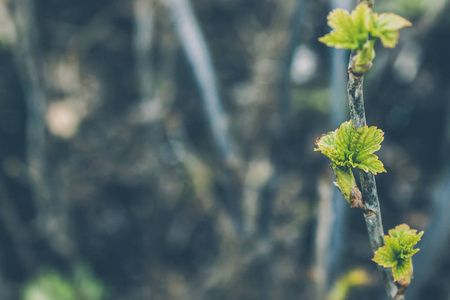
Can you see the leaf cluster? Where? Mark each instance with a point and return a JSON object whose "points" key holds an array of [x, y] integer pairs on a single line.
{"points": [[398, 250], [353, 148], [359, 31], [348, 148]]}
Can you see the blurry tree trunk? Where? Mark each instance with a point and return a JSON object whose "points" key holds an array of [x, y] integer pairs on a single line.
{"points": [[199, 57], [338, 114], [21, 237], [30, 65], [295, 35], [143, 50], [151, 115], [281, 138], [51, 221]]}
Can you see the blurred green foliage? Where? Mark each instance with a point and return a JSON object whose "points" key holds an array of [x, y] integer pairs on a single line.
{"points": [[342, 287], [51, 285], [306, 98], [406, 8]]}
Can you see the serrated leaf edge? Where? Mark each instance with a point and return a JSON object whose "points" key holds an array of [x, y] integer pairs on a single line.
{"points": [[342, 148], [395, 263]]}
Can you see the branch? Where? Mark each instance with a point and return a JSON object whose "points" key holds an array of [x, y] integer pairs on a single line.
{"points": [[371, 209], [324, 241], [29, 65], [143, 38], [295, 31], [268, 192], [198, 55]]}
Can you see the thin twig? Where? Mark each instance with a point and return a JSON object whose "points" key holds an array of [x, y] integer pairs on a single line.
{"points": [[371, 209], [372, 213]]}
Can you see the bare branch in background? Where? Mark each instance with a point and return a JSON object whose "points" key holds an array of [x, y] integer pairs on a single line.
{"points": [[143, 39], [270, 189], [325, 221], [197, 52], [199, 57], [30, 67], [295, 34], [52, 213]]}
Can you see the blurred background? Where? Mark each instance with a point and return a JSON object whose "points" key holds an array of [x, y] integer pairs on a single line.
{"points": [[164, 150]]}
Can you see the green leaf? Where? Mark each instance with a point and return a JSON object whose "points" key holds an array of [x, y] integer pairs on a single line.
{"points": [[342, 35], [347, 185], [350, 147], [344, 136], [386, 26], [407, 238], [385, 257], [335, 144], [364, 57], [365, 142], [400, 230], [403, 270], [398, 250], [361, 19], [359, 31], [350, 31]]}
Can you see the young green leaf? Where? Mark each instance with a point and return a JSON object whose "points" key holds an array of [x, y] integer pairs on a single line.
{"points": [[403, 270], [345, 181], [398, 250], [348, 148], [385, 257], [352, 147], [408, 237], [350, 31], [335, 144], [359, 31], [365, 142], [386, 26]]}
